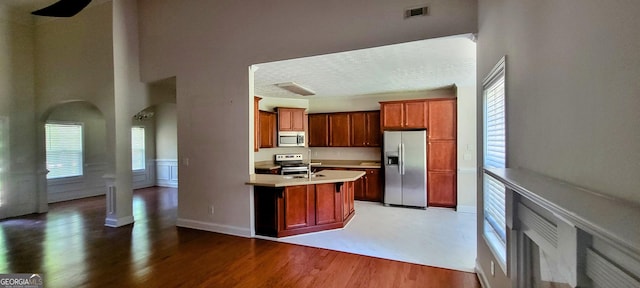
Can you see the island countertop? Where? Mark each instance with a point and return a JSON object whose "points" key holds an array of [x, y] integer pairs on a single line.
{"points": [[324, 176]]}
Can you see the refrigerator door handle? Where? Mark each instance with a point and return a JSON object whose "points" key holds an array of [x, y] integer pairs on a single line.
{"points": [[402, 151], [400, 159]]}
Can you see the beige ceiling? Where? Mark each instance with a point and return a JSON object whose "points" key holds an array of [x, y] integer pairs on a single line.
{"points": [[413, 66]]}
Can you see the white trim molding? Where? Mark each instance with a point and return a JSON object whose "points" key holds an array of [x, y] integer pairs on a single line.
{"points": [[118, 222], [213, 227]]}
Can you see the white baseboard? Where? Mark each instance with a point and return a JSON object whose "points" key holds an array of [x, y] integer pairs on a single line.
{"points": [[118, 222], [481, 276], [467, 209], [169, 185], [213, 227]]}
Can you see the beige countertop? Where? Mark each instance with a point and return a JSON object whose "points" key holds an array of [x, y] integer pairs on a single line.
{"points": [[364, 164], [266, 165], [324, 176], [371, 164]]}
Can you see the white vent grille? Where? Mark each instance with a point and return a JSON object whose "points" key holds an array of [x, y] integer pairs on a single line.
{"points": [[605, 274], [111, 199], [542, 227], [419, 11]]}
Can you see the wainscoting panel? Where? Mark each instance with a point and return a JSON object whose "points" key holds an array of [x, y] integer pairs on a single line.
{"points": [[22, 197], [88, 185], [145, 178], [167, 172]]}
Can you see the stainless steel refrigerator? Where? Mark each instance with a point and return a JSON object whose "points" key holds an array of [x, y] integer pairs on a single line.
{"points": [[405, 168]]}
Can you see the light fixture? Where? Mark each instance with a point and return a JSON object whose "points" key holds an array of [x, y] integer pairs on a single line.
{"points": [[294, 87], [143, 115]]}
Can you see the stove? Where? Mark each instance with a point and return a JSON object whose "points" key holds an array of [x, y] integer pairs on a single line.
{"points": [[291, 164]]}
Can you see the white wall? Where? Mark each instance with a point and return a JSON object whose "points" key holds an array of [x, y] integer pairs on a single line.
{"points": [[572, 92], [208, 45], [166, 131], [17, 98], [166, 145]]}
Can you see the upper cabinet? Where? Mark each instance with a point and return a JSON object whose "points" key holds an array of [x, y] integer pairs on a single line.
{"points": [[408, 114], [345, 129], [318, 130], [365, 129], [290, 119], [267, 129], [339, 130], [442, 119]]}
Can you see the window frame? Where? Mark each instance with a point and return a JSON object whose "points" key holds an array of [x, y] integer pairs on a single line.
{"points": [[494, 241], [67, 179], [4, 157], [144, 148]]}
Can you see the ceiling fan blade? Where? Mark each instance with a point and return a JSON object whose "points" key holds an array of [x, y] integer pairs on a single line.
{"points": [[62, 8]]}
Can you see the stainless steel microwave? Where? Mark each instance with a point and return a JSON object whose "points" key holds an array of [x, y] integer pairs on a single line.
{"points": [[291, 139]]}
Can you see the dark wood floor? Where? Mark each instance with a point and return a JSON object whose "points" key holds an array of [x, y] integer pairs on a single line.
{"points": [[71, 247]]}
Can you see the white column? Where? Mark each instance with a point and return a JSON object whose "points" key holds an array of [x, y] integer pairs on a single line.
{"points": [[126, 95]]}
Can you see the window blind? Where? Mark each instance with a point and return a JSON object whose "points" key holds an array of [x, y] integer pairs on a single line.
{"points": [[137, 148], [63, 144], [495, 157]]}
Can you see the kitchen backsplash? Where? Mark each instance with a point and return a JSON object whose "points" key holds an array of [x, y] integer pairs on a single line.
{"points": [[325, 153]]}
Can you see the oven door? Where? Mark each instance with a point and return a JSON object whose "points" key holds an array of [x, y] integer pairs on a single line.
{"points": [[294, 170]]}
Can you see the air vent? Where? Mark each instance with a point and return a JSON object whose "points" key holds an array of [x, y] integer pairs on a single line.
{"points": [[413, 12]]}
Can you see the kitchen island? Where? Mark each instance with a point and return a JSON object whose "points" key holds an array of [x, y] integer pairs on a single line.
{"points": [[288, 205]]}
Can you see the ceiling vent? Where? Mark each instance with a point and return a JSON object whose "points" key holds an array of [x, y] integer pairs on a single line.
{"points": [[413, 12], [294, 87]]}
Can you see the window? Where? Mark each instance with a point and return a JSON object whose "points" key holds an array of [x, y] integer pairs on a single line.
{"points": [[137, 148], [494, 223], [64, 149]]}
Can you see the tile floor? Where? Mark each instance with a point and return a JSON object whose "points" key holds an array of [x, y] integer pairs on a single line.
{"points": [[435, 237]]}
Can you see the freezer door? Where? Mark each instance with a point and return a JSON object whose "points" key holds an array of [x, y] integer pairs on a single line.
{"points": [[414, 161], [392, 177]]}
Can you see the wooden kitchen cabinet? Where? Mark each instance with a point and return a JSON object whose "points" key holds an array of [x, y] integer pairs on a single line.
{"points": [[292, 210], [256, 123], [318, 130], [298, 209], [441, 189], [442, 119], [373, 185], [442, 153], [365, 129], [290, 119], [328, 204], [408, 114], [339, 135], [267, 129], [348, 206]]}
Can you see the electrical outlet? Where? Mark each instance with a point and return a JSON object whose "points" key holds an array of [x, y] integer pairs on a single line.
{"points": [[211, 210], [493, 268]]}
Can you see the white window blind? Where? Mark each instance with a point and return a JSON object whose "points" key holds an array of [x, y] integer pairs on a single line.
{"points": [[64, 150], [495, 157], [137, 148]]}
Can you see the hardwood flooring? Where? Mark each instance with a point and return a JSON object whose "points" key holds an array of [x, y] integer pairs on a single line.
{"points": [[71, 247]]}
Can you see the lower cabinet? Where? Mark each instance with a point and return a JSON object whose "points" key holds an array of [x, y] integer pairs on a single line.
{"points": [[367, 188], [292, 210]]}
